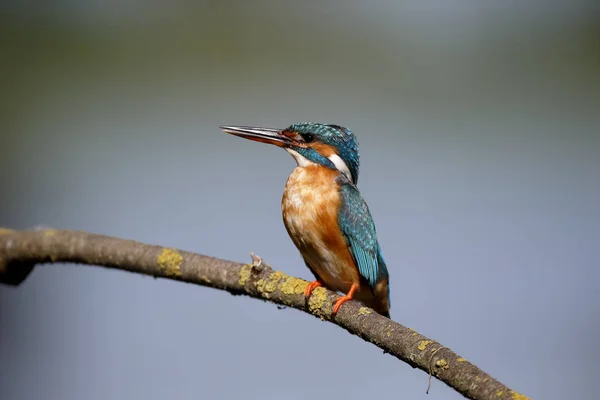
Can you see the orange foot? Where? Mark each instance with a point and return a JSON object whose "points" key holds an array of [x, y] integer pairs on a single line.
{"points": [[343, 299], [312, 286]]}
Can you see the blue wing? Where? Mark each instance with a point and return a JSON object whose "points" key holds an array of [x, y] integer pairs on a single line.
{"points": [[358, 228]]}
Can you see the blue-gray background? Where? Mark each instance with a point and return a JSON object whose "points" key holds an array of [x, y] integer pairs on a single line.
{"points": [[479, 129]]}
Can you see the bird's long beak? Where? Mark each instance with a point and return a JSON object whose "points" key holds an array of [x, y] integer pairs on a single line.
{"points": [[263, 135]]}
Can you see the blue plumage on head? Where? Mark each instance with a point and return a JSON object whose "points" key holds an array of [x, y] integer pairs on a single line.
{"points": [[342, 139]]}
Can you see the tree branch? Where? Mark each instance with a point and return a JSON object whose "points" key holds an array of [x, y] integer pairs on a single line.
{"points": [[21, 250]]}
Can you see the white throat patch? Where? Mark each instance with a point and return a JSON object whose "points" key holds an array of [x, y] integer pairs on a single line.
{"points": [[300, 159], [341, 166]]}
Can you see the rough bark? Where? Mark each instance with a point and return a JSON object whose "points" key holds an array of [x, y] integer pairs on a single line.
{"points": [[20, 251]]}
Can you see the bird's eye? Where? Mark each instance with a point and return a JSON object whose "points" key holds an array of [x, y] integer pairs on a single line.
{"points": [[308, 137]]}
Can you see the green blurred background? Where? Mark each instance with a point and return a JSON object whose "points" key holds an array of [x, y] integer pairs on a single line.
{"points": [[479, 128]]}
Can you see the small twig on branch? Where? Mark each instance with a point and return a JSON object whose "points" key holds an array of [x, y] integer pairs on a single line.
{"points": [[21, 250]]}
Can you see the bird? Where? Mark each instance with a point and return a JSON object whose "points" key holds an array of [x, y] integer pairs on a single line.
{"points": [[325, 214]]}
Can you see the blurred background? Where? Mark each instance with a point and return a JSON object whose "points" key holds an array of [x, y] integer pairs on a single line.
{"points": [[479, 128]]}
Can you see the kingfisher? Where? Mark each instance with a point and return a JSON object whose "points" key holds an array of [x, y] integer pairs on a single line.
{"points": [[324, 213]]}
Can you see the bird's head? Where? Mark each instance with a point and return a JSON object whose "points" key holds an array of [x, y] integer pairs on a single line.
{"points": [[331, 146]]}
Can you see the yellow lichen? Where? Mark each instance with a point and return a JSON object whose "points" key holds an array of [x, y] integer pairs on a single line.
{"points": [[205, 279], [49, 232], [6, 231], [364, 311], [317, 299], [388, 333], [518, 396], [169, 260], [244, 274], [442, 363], [269, 285], [461, 359], [292, 286], [423, 344], [499, 393], [274, 279]]}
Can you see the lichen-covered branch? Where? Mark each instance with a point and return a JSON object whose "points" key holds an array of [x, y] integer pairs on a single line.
{"points": [[21, 250]]}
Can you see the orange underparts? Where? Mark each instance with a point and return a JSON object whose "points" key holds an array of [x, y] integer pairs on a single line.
{"points": [[312, 286], [343, 299]]}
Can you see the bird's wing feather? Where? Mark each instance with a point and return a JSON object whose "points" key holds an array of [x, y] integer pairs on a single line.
{"points": [[358, 228]]}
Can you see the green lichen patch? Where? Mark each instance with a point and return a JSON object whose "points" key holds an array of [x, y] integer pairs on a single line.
{"points": [[49, 232], [518, 396], [317, 300], [365, 311], [269, 285], [442, 364], [169, 260], [244, 274], [460, 359], [423, 344], [291, 286]]}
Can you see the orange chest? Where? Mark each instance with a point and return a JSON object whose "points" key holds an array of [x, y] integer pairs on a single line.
{"points": [[311, 199], [310, 205]]}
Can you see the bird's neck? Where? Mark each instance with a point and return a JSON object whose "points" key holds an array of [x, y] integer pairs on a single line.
{"points": [[311, 158]]}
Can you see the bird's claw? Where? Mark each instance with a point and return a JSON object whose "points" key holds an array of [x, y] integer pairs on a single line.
{"points": [[310, 287], [338, 303]]}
